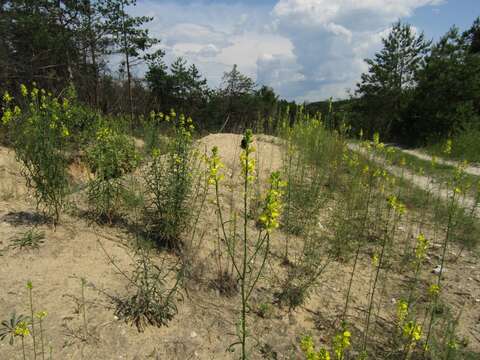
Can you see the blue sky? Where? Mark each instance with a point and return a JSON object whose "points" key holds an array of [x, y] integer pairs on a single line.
{"points": [[306, 50]]}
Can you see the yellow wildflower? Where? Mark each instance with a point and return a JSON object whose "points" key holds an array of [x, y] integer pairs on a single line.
{"points": [[7, 97], [22, 329], [271, 211], [433, 290], [24, 90], [421, 248]]}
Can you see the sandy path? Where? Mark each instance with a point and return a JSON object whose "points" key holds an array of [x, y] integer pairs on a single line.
{"points": [[470, 169], [426, 183]]}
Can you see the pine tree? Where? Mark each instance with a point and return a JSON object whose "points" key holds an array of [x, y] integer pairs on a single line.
{"points": [[392, 73]]}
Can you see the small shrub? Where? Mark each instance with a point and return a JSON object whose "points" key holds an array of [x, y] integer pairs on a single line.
{"points": [[31, 239], [8, 327], [153, 299], [169, 186], [111, 156], [39, 135]]}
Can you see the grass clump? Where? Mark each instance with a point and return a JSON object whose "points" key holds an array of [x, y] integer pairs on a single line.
{"points": [[31, 239]]}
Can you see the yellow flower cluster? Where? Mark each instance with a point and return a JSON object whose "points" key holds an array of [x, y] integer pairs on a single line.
{"points": [[22, 329], [402, 311], [447, 149], [273, 205], [214, 166], [434, 290], [396, 205], [104, 133], [412, 331], [376, 142], [375, 260], [341, 342], [308, 348], [248, 163], [41, 315], [421, 248]]}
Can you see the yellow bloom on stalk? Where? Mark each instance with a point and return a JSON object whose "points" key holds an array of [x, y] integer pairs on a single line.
{"points": [[155, 153], [375, 260], [248, 163], [412, 332], [214, 165], [447, 149], [103, 133], [65, 132], [24, 90], [22, 329], [434, 290], [403, 162], [434, 160], [402, 311], [308, 348], [41, 315], [273, 205], [396, 205], [65, 104], [7, 97], [7, 116], [421, 248], [341, 342]]}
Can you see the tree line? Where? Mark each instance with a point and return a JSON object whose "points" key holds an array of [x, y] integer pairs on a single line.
{"points": [[417, 92], [59, 43]]}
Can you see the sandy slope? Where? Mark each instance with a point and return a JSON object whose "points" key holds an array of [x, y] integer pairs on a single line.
{"points": [[205, 324]]}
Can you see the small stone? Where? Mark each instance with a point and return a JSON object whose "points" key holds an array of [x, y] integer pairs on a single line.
{"points": [[193, 334], [438, 269]]}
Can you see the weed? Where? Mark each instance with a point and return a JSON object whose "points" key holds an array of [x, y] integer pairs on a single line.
{"points": [[169, 186], [31, 239], [112, 156], [44, 162], [9, 327]]}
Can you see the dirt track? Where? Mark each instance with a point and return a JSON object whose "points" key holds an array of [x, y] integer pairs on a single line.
{"points": [[426, 183]]}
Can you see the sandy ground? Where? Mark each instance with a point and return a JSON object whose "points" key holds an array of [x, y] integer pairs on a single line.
{"points": [[205, 324]]}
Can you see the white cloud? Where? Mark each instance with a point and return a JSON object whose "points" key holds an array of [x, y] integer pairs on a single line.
{"points": [[332, 37], [305, 49]]}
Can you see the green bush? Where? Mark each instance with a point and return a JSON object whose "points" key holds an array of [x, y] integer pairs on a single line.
{"points": [[111, 156], [169, 186], [40, 134]]}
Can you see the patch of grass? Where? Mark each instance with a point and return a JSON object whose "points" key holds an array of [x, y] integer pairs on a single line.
{"points": [[31, 239], [465, 146]]}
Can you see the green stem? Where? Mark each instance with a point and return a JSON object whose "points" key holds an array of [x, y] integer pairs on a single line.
{"points": [[244, 268], [41, 338], [33, 323]]}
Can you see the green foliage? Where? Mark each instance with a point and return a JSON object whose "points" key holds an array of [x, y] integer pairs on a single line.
{"points": [[40, 134], [155, 289], [9, 327], [385, 90], [109, 158], [169, 186]]}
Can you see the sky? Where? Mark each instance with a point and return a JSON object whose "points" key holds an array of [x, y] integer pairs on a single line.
{"points": [[307, 50]]}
